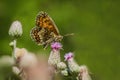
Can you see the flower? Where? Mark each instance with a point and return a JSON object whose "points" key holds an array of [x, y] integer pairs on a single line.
{"points": [[56, 46], [15, 29], [54, 57], [73, 66], [20, 52], [68, 56], [24, 58]]}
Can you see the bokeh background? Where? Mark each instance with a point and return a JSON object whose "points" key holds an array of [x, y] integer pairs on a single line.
{"points": [[95, 23]]}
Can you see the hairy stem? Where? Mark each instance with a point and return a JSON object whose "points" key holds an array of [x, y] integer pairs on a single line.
{"points": [[14, 47]]}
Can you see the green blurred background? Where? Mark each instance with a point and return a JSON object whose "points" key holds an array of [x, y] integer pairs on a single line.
{"points": [[96, 24]]}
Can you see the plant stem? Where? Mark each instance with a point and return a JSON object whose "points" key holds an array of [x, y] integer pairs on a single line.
{"points": [[14, 47]]}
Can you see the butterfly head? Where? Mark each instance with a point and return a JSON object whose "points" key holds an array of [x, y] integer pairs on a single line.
{"points": [[58, 38]]}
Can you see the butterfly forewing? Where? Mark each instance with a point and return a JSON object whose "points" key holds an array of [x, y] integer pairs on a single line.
{"points": [[45, 21]]}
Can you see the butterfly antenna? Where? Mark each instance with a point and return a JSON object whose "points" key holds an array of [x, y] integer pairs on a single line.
{"points": [[71, 34]]}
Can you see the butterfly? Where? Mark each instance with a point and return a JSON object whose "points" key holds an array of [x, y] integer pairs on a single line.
{"points": [[45, 31]]}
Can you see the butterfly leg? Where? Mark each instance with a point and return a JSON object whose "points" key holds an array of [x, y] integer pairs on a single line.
{"points": [[51, 39], [47, 43]]}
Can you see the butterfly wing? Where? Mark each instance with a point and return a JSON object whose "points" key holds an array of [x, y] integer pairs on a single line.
{"points": [[45, 21], [35, 35]]}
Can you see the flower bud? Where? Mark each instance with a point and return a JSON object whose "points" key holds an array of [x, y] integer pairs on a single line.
{"points": [[73, 66], [64, 72], [61, 65], [15, 70], [84, 74], [28, 60], [25, 58], [15, 29], [20, 52], [11, 44], [54, 57]]}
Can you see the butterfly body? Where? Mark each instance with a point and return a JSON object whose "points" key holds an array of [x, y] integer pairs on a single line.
{"points": [[45, 31]]}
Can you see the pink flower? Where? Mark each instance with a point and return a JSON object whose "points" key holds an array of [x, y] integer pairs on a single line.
{"points": [[68, 56], [56, 46]]}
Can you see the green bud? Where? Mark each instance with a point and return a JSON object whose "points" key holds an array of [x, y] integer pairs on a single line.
{"points": [[11, 44], [61, 65], [64, 72], [15, 29]]}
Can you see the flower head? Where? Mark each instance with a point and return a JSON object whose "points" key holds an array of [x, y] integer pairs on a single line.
{"points": [[56, 46], [68, 56], [15, 29], [73, 66]]}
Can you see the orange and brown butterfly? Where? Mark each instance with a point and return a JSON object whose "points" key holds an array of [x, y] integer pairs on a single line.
{"points": [[45, 31]]}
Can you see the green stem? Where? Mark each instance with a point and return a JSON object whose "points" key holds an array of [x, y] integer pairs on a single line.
{"points": [[14, 47]]}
